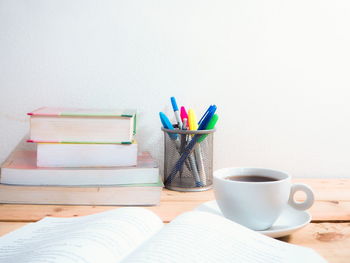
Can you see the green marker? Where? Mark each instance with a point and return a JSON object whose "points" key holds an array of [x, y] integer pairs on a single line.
{"points": [[211, 125]]}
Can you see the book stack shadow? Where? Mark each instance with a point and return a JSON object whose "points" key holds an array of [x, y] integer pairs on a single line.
{"points": [[80, 157]]}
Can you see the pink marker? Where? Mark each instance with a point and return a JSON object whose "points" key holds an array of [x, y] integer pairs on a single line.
{"points": [[183, 113]]}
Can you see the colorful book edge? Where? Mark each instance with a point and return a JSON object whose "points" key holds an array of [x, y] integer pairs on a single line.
{"points": [[77, 112], [80, 142]]}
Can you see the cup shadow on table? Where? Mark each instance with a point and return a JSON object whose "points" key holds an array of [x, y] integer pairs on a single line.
{"points": [[284, 239]]}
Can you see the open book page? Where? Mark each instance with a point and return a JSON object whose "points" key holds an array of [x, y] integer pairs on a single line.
{"points": [[204, 237], [105, 237]]}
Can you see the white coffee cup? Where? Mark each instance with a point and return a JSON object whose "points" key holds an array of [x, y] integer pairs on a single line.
{"points": [[257, 205]]}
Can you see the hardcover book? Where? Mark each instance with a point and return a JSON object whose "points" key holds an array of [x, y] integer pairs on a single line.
{"points": [[86, 155], [128, 194], [20, 169], [72, 125]]}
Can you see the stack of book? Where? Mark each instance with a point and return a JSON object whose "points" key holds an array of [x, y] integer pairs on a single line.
{"points": [[84, 157]]}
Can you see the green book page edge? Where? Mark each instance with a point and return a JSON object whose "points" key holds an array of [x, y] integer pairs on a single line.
{"points": [[134, 131], [158, 184]]}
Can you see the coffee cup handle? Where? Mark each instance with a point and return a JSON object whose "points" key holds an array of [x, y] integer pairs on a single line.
{"points": [[309, 197]]}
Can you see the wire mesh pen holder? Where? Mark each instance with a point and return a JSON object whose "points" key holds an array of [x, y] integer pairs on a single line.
{"points": [[188, 159]]}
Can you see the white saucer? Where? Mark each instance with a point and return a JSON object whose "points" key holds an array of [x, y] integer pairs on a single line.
{"points": [[289, 221]]}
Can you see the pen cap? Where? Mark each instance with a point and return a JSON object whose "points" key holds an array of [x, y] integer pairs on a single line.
{"points": [[167, 124], [192, 120], [183, 113], [174, 104], [211, 125]]}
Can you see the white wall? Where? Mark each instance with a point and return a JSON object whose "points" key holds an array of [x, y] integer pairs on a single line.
{"points": [[278, 70]]}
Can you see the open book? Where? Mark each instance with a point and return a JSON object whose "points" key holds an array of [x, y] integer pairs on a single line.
{"points": [[138, 235]]}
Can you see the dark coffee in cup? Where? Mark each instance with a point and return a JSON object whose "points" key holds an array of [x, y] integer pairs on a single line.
{"points": [[251, 178]]}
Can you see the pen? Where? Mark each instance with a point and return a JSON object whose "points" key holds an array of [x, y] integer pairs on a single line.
{"points": [[210, 126], [203, 125], [183, 144], [183, 115], [205, 114], [167, 125], [197, 148], [176, 112], [192, 121]]}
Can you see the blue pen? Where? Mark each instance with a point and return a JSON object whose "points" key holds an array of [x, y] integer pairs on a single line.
{"points": [[167, 125], [191, 144], [176, 112], [211, 107], [204, 123]]}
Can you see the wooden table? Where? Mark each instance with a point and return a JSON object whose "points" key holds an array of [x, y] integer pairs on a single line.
{"points": [[328, 234]]}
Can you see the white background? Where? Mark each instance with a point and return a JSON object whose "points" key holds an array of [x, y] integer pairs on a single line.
{"points": [[278, 70]]}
